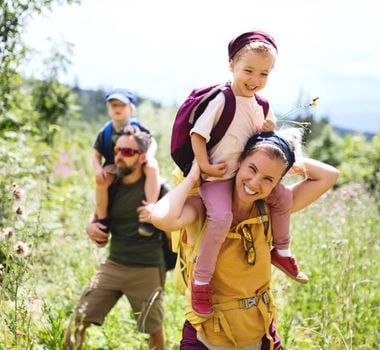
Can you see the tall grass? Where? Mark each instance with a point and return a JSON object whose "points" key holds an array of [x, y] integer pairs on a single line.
{"points": [[336, 241]]}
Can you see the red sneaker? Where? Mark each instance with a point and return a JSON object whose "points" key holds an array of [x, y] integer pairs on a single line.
{"points": [[288, 265], [201, 300]]}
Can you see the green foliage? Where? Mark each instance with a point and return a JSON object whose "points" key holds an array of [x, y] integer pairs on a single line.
{"points": [[92, 106], [336, 241], [13, 18], [159, 121], [47, 191], [326, 148]]}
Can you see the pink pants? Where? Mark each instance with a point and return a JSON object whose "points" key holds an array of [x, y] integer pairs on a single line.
{"points": [[217, 198]]}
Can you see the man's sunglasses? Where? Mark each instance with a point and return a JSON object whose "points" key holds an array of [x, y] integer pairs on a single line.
{"points": [[126, 151]]}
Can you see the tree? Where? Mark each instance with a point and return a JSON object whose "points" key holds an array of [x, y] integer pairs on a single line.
{"points": [[14, 15], [327, 147]]}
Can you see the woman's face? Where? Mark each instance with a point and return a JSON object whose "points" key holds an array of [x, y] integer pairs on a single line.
{"points": [[257, 176]]}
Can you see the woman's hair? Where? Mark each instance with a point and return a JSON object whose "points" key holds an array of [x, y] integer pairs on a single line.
{"points": [[275, 150]]}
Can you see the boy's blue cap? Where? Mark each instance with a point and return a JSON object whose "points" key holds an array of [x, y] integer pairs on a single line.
{"points": [[122, 95]]}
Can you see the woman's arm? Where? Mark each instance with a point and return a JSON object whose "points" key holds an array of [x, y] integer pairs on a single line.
{"points": [[320, 177], [176, 209]]}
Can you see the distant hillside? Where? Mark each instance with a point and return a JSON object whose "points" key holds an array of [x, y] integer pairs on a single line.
{"points": [[343, 132], [91, 103], [92, 106]]}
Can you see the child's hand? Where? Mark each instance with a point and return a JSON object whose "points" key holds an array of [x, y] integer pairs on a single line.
{"points": [[216, 170], [269, 125], [145, 212], [150, 166]]}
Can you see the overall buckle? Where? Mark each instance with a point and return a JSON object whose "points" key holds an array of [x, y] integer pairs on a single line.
{"points": [[249, 302]]}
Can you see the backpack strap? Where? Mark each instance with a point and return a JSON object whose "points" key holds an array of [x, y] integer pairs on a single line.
{"points": [[228, 114], [225, 119], [107, 142], [263, 102]]}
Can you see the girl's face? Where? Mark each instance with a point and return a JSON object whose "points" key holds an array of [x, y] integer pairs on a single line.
{"points": [[250, 72], [257, 176], [119, 111]]}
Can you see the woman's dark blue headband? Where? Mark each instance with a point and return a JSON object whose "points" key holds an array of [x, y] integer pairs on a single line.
{"points": [[273, 139]]}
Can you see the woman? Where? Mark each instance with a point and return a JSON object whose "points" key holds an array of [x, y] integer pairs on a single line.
{"points": [[241, 295]]}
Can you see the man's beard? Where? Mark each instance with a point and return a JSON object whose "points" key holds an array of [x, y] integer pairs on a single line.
{"points": [[125, 171]]}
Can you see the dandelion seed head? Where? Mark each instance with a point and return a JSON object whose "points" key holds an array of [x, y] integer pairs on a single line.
{"points": [[20, 210], [6, 233], [17, 192], [21, 249]]}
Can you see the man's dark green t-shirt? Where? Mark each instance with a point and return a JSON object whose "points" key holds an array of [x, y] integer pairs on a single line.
{"points": [[127, 246]]}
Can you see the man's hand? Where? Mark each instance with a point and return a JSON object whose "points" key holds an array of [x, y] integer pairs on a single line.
{"points": [[95, 233]]}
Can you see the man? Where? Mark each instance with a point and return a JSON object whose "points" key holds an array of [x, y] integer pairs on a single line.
{"points": [[135, 265]]}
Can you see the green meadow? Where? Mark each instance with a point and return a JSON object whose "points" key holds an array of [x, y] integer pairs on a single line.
{"points": [[47, 259]]}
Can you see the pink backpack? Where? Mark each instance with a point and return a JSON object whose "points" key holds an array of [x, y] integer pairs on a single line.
{"points": [[194, 105]]}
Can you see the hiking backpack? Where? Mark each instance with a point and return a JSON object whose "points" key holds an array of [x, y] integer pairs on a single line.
{"points": [[190, 110], [107, 137]]}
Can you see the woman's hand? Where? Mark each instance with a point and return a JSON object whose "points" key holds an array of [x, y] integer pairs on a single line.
{"points": [[320, 177], [174, 211], [194, 173]]}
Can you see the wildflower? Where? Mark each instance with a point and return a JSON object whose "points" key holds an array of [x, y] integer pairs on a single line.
{"points": [[283, 117], [314, 102], [21, 249], [7, 233], [17, 192], [20, 210]]}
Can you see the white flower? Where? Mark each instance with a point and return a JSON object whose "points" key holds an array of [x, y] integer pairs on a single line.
{"points": [[21, 249]]}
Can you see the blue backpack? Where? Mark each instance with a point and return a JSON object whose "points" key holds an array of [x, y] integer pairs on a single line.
{"points": [[107, 137], [194, 105]]}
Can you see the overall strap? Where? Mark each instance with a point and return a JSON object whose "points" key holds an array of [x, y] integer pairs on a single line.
{"points": [[261, 205]]}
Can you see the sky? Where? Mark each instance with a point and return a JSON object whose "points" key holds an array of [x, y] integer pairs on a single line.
{"points": [[162, 49]]}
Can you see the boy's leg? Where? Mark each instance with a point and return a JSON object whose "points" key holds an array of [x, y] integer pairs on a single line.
{"points": [[152, 184], [280, 201], [152, 189], [101, 195], [217, 197], [157, 340]]}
